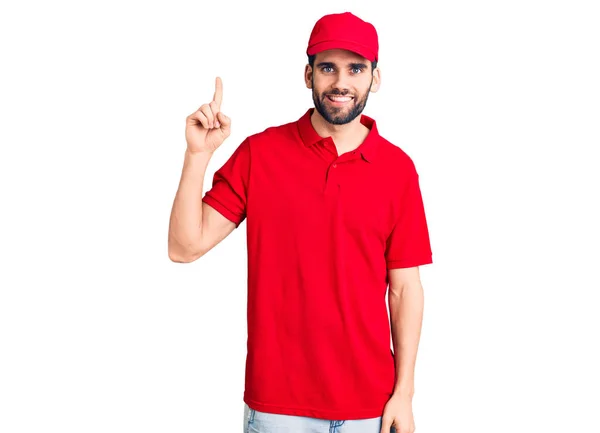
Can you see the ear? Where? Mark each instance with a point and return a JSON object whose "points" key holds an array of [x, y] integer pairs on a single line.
{"points": [[308, 76], [376, 80]]}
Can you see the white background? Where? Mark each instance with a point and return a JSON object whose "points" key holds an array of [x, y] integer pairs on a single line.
{"points": [[498, 104]]}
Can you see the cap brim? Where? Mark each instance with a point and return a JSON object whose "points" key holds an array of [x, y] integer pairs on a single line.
{"points": [[361, 50]]}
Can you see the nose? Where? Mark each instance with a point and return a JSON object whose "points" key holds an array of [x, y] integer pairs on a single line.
{"points": [[341, 82]]}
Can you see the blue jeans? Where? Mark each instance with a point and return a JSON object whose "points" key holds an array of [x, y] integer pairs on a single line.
{"points": [[261, 422]]}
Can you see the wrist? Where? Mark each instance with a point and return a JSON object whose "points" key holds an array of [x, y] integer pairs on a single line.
{"points": [[404, 391], [198, 153]]}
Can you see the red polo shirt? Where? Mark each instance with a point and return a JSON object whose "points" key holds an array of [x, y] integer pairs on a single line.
{"points": [[322, 231]]}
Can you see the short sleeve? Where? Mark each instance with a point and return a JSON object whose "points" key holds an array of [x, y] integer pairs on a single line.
{"points": [[229, 191], [408, 244]]}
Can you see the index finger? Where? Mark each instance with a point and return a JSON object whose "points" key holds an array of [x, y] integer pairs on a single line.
{"points": [[218, 96]]}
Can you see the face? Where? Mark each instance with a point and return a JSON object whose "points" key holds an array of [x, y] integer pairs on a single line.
{"points": [[341, 81]]}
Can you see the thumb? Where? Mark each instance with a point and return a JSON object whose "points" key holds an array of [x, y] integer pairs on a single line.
{"points": [[224, 121], [386, 425]]}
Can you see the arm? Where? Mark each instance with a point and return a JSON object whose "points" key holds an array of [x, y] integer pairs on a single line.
{"points": [[408, 247], [194, 226], [406, 313]]}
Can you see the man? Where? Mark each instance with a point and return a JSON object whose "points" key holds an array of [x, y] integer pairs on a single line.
{"points": [[334, 214]]}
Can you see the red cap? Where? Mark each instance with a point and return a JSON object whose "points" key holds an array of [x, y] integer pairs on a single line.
{"points": [[344, 31]]}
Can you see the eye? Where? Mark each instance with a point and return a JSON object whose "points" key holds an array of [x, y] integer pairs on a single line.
{"points": [[326, 67], [357, 70]]}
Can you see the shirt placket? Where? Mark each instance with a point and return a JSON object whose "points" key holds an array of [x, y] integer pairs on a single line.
{"points": [[335, 169]]}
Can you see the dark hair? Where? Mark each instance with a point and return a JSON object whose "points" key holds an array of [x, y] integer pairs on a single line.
{"points": [[311, 62]]}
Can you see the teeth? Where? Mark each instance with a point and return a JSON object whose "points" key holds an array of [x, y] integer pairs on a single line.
{"points": [[339, 98]]}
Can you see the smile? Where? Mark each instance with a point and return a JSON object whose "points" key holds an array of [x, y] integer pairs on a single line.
{"points": [[339, 100]]}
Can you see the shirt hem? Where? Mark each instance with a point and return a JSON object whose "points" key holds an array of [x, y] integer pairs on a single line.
{"points": [[409, 263], [222, 209], [315, 413]]}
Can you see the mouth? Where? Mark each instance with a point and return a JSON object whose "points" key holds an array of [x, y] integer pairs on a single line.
{"points": [[339, 100]]}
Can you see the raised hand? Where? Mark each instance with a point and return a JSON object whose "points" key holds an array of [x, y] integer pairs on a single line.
{"points": [[208, 127]]}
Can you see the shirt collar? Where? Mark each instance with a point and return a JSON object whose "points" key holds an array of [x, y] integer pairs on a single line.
{"points": [[368, 147]]}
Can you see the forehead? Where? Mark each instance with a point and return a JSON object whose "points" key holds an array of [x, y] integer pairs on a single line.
{"points": [[340, 56]]}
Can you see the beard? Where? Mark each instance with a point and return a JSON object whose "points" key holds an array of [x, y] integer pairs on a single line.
{"points": [[339, 115]]}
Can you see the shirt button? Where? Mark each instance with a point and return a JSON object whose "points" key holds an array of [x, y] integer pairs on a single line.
{"points": [[334, 165]]}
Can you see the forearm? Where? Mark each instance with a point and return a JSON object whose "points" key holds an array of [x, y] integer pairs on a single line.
{"points": [[406, 316], [185, 225]]}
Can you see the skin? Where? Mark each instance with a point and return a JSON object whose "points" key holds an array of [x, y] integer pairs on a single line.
{"points": [[406, 300], [335, 73]]}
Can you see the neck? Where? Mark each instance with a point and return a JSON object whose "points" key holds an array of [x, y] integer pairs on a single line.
{"points": [[344, 135]]}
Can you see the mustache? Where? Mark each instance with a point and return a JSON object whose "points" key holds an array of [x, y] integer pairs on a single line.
{"points": [[337, 92]]}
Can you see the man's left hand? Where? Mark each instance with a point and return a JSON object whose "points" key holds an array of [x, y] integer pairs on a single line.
{"points": [[398, 413]]}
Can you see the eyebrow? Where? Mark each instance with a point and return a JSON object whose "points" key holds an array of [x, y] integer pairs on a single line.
{"points": [[353, 65]]}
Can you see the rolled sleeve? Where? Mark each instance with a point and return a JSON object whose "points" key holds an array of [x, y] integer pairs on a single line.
{"points": [[408, 244], [229, 191]]}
